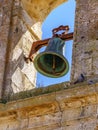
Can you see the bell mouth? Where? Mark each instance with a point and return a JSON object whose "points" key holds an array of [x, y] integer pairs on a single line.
{"points": [[51, 64]]}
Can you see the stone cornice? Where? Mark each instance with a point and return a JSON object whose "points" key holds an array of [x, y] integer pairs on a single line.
{"points": [[72, 94]]}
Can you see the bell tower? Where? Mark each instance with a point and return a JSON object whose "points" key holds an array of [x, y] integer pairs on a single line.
{"points": [[85, 48], [58, 107]]}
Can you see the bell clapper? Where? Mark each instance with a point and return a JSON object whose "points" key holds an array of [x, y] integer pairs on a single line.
{"points": [[53, 64]]}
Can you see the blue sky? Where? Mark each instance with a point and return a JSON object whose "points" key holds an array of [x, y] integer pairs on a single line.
{"points": [[62, 15]]}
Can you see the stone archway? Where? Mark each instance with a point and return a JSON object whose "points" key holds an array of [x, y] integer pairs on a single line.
{"points": [[33, 14], [21, 30], [39, 9]]}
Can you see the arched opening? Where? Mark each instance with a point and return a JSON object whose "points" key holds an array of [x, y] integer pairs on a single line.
{"points": [[62, 15]]}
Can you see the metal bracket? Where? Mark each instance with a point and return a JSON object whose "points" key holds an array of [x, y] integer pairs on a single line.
{"points": [[38, 44]]}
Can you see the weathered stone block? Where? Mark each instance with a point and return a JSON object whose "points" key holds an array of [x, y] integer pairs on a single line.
{"points": [[44, 120], [88, 111], [85, 39], [71, 114]]}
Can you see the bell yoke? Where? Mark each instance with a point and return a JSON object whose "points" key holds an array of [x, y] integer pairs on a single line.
{"points": [[52, 61]]}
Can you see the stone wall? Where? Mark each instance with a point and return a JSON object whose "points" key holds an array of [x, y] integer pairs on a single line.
{"points": [[17, 33], [71, 108], [5, 15], [85, 48]]}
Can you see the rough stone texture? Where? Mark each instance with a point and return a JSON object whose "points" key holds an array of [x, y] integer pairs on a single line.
{"points": [[23, 28], [5, 14], [18, 31], [39, 9], [85, 48], [60, 110], [59, 107]]}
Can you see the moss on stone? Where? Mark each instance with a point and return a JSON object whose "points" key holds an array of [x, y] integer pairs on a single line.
{"points": [[38, 91], [44, 90]]}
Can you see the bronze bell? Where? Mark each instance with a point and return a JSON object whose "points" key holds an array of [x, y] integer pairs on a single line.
{"points": [[51, 62]]}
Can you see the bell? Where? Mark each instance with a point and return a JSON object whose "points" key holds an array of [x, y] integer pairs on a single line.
{"points": [[51, 62]]}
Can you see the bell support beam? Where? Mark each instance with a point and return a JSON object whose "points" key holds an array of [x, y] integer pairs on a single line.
{"points": [[38, 44]]}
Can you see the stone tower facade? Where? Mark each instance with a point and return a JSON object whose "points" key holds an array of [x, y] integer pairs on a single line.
{"points": [[63, 106], [85, 48]]}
